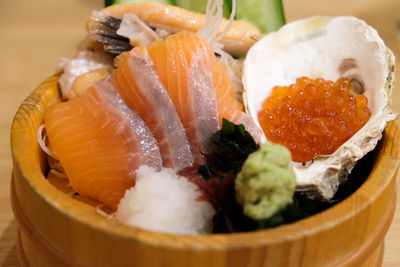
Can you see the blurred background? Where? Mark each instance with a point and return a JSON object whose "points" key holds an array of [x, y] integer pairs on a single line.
{"points": [[36, 34]]}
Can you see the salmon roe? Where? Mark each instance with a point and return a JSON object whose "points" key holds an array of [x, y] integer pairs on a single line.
{"points": [[313, 117]]}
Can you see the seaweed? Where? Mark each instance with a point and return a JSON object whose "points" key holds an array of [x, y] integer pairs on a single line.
{"points": [[233, 144]]}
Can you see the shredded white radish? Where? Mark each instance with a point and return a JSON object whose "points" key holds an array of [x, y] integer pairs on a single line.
{"points": [[103, 213], [213, 21], [231, 18], [214, 15], [58, 174], [55, 164], [33, 104], [41, 137]]}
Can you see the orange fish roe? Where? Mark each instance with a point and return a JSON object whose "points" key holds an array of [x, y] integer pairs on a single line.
{"points": [[313, 117]]}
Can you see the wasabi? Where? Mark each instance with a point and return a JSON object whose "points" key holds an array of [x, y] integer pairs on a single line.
{"points": [[266, 182]]}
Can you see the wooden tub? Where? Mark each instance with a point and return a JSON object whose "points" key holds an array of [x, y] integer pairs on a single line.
{"points": [[57, 230]]}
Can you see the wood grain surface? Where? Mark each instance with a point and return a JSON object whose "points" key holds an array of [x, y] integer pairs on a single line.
{"points": [[36, 34]]}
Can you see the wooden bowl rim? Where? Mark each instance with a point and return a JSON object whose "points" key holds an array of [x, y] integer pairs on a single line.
{"points": [[384, 170]]}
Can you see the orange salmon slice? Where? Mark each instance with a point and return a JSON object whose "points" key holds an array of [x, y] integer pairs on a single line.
{"points": [[184, 63], [100, 148], [185, 67], [140, 87], [199, 86]]}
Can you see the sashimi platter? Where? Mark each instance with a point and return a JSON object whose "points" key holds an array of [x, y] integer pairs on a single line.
{"points": [[201, 124]]}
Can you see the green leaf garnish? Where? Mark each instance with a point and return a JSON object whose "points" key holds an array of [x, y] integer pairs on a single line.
{"points": [[234, 139], [233, 144]]}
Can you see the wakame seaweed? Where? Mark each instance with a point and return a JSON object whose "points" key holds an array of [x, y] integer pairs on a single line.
{"points": [[233, 144]]}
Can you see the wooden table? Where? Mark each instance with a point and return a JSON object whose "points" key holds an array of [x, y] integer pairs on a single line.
{"points": [[36, 34]]}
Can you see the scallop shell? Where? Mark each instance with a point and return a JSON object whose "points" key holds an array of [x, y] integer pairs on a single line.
{"points": [[327, 47]]}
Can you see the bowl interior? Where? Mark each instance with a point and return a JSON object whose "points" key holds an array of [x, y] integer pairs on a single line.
{"points": [[374, 173]]}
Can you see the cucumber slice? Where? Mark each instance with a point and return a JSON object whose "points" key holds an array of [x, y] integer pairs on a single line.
{"points": [[116, 2], [267, 15]]}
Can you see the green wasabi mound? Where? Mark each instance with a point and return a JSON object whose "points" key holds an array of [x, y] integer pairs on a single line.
{"points": [[266, 182]]}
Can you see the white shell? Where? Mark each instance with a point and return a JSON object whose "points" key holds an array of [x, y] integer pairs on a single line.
{"points": [[327, 47]]}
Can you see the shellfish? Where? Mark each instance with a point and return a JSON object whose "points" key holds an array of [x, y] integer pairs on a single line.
{"points": [[327, 47]]}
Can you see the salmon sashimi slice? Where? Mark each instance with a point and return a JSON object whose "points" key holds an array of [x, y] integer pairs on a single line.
{"points": [[98, 147], [228, 105], [184, 64], [149, 150], [140, 87], [86, 80]]}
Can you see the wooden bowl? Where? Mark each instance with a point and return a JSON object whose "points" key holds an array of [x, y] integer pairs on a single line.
{"points": [[57, 230]]}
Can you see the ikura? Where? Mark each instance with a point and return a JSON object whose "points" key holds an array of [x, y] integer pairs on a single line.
{"points": [[313, 117]]}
